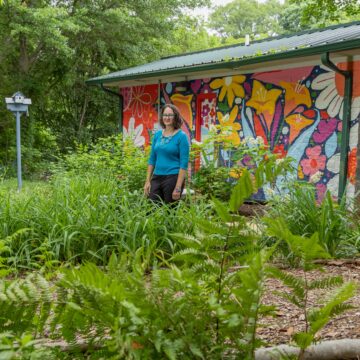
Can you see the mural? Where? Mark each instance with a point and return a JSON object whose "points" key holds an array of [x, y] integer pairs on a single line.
{"points": [[296, 112]]}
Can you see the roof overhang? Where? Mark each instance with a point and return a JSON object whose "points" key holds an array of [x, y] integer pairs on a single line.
{"points": [[309, 56]]}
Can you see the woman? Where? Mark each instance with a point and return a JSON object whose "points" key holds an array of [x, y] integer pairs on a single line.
{"points": [[169, 158]]}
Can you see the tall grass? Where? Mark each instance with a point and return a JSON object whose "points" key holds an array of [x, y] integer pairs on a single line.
{"points": [[87, 217], [304, 216]]}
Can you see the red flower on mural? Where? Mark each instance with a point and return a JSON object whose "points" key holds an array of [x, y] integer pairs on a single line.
{"points": [[138, 101], [352, 166], [279, 151]]}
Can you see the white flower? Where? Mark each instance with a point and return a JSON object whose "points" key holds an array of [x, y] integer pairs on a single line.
{"points": [[331, 97], [279, 161], [195, 142], [213, 128], [259, 140], [316, 177], [134, 133]]}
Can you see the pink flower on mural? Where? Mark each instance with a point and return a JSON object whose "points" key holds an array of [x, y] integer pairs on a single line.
{"points": [[320, 192], [314, 161], [324, 130]]}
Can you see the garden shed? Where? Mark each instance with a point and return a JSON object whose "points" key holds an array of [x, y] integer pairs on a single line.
{"points": [[300, 93]]}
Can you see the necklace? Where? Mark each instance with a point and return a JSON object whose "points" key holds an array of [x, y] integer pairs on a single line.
{"points": [[166, 139]]}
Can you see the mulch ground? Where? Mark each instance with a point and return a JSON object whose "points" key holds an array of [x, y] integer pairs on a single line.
{"points": [[289, 319]]}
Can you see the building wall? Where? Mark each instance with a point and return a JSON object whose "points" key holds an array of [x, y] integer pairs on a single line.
{"points": [[297, 112]]}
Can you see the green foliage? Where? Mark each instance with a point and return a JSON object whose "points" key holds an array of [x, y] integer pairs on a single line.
{"points": [[260, 20], [50, 48], [305, 216], [86, 217], [327, 12], [136, 315], [175, 283], [307, 250], [252, 163]]}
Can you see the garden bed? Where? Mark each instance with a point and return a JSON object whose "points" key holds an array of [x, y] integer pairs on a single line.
{"points": [[288, 320]]}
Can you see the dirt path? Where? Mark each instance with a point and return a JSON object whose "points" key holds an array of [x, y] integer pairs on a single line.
{"points": [[288, 320]]}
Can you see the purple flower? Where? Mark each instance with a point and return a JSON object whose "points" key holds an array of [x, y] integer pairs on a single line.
{"points": [[324, 130]]}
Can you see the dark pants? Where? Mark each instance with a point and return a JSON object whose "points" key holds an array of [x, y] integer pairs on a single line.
{"points": [[162, 187]]}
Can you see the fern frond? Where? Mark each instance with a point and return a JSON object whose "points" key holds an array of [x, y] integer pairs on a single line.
{"points": [[334, 306], [326, 283], [187, 240], [189, 255], [291, 298], [296, 284]]}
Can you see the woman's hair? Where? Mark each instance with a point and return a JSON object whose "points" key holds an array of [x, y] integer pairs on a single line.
{"points": [[178, 120]]}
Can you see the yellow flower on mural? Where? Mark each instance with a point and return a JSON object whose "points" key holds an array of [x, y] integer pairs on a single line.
{"points": [[183, 103], [295, 94], [297, 122], [228, 127], [230, 86], [236, 173], [264, 101]]}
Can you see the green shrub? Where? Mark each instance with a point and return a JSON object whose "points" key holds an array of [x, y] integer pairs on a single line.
{"points": [[305, 216]]}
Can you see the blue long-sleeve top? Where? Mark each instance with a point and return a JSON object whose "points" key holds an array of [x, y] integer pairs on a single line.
{"points": [[169, 154]]}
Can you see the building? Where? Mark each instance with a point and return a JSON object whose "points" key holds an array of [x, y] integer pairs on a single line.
{"points": [[300, 93]]}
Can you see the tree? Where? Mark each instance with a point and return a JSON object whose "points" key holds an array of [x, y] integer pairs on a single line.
{"points": [[49, 49], [328, 11], [241, 17]]}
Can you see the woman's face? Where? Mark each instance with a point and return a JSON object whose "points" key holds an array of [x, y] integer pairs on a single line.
{"points": [[168, 117]]}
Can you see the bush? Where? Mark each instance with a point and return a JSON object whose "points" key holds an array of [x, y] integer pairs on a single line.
{"points": [[304, 216]]}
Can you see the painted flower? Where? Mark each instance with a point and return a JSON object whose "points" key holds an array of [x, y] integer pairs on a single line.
{"points": [[264, 101], [279, 151], [320, 192], [297, 123], [228, 127], [205, 110], [138, 101], [324, 130], [183, 103], [315, 178], [230, 86], [314, 161], [352, 166], [236, 173], [134, 133], [296, 94], [331, 97]]}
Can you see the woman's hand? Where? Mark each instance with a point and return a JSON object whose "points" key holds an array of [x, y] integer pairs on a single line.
{"points": [[147, 187], [176, 193]]}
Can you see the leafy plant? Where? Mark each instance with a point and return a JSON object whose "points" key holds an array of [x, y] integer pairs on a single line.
{"points": [[307, 249], [304, 216], [212, 179]]}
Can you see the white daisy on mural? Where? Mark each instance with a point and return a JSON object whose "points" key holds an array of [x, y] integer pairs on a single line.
{"points": [[331, 97], [134, 133]]}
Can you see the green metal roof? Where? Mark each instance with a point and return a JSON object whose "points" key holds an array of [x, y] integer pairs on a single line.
{"points": [[312, 42]]}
